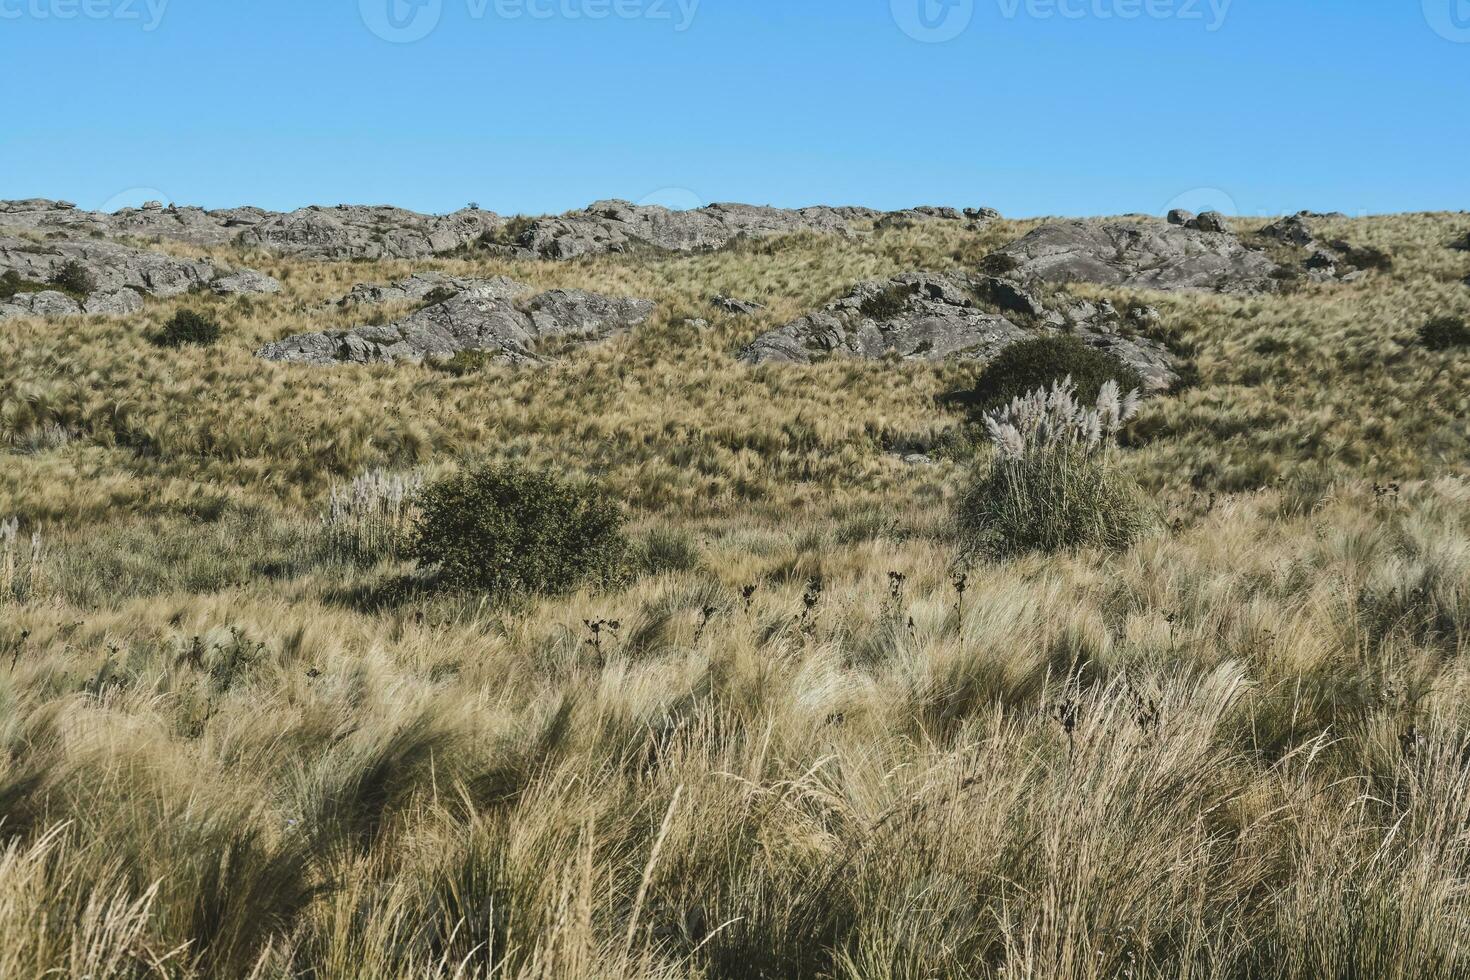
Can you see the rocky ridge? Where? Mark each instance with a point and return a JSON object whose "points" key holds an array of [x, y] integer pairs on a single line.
{"points": [[107, 277], [937, 316], [1138, 255], [347, 232], [503, 319]]}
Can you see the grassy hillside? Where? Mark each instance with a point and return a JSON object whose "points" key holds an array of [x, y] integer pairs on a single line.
{"points": [[229, 747]]}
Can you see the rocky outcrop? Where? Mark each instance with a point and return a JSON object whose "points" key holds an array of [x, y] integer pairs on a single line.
{"points": [[371, 232], [498, 317], [933, 317], [1138, 255], [1322, 261], [351, 232], [916, 216], [342, 232], [192, 225], [618, 226], [115, 277], [735, 307], [424, 286]]}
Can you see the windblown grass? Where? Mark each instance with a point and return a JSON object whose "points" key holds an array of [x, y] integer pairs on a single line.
{"points": [[1237, 748]]}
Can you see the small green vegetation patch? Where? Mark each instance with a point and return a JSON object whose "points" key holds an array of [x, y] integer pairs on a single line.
{"points": [[1445, 333], [509, 531], [188, 327], [886, 303], [1041, 362]]}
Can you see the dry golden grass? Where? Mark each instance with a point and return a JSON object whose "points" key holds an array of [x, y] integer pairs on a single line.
{"points": [[1238, 749]]}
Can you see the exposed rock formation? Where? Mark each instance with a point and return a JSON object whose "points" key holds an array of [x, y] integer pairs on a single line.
{"points": [[1140, 255], [370, 232], [342, 232], [496, 316], [117, 276], [427, 285], [932, 317], [618, 226], [350, 232], [738, 307]]}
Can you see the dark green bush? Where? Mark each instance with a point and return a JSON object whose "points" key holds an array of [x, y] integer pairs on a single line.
{"points": [[1039, 362], [188, 327], [999, 264], [10, 284], [74, 278], [466, 362], [1445, 333], [510, 531], [1054, 500], [887, 303]]}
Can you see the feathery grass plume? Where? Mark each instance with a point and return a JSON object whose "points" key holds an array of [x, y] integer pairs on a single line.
{"points": [[22, 564], [1049, 485], [371, 519]]}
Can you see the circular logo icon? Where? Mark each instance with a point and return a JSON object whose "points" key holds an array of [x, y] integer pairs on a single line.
{"points": [[136, 198], [673, 198], [933, 21], [1449, 18], [1202, 199], [401, 21]]}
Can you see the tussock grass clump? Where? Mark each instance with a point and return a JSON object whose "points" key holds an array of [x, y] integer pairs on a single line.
{"points": [[1445, 333], [1043, 361], [508, 531], [1050, 485], [188, 327]]}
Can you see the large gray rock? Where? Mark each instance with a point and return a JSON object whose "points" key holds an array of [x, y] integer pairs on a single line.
{"points": [[192, 225], [352, 232], [933, 317], [425, 285], [1291, 230], [1139, 255], [243, 282], [490, 317], [118, 274], [342, 232], [618, 226]]}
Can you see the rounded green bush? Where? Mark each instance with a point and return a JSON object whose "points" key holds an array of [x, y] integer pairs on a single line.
{"points": [[188, 327], [510, 531], [1059, 499], [74, 278], [1445, 333], [1038, 363]]}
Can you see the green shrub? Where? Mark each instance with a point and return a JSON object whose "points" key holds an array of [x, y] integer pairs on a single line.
{"points": [[10, 284], [509, 531], [887, 303], [1444, 333], [74, 278], [999, 264], [188, 327], [1042, 361], [466, 362], [1050, 485]]}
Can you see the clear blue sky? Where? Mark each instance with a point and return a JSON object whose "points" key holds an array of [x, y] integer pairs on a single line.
{"points": [[1033, 107]]}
